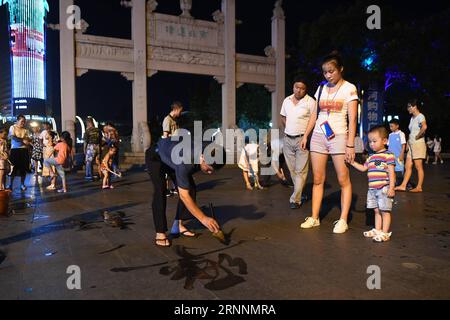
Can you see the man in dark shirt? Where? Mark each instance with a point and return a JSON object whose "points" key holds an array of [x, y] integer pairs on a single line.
{"points": [[159, 161]]}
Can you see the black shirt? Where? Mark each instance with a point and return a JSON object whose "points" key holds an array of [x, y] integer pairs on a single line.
{"points": [[183, 171]]}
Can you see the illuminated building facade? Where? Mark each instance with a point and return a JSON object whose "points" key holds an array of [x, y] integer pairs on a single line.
{"points": [[27, 44]]}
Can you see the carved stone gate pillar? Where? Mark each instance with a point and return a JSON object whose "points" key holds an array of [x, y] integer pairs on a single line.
{"points": [[229, 84], [67, 52], [278, 43], [141, 136]]}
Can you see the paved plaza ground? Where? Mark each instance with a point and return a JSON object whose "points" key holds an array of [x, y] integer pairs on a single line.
{"points": [[269, 257]]}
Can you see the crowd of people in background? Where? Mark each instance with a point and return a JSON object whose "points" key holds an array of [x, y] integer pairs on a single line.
{"points": [[38, 149]]}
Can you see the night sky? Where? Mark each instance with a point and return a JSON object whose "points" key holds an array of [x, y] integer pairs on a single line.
{"points": [[107, 96]]}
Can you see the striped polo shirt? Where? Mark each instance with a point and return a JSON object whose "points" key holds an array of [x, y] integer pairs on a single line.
{"points": [[378, 172]]}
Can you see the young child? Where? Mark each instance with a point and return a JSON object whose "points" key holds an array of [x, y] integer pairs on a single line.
{"points": [[437, 149], [397, 145], [48, 151], [64, 150], [36, 153], [248, 162], [4, 156], [381, 174], [106, 167]]}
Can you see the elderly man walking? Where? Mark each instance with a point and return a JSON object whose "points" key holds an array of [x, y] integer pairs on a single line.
{"points": [[295, 114]]}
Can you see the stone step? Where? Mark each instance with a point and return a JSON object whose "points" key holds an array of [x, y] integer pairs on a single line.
{"points": [[128, 166], [134, 154], [133, 160], [125, 166]]}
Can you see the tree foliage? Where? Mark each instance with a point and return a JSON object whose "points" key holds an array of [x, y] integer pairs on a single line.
{"points": [[253, 106], [412, 51]]}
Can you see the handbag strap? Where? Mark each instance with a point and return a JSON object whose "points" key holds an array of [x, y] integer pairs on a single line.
{"points": [[318, 100]]}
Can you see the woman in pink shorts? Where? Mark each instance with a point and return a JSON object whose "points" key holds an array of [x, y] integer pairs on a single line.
{"points": [[338, 102]]}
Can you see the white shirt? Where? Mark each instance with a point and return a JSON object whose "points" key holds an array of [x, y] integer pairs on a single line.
{"points": [[334, 107], [249, 158], [401, 136], [437, 145], [43, 136], [297, 115], [414, 128], [170, 125]]}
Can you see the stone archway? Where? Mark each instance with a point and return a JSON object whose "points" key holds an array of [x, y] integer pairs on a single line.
{"points": [[163, 42]]}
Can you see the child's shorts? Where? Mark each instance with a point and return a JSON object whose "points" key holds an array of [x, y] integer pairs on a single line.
{"points": [[320, 144], [378, 198]]}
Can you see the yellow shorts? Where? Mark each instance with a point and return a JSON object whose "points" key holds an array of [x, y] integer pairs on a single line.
{"points": [[417, 151]]}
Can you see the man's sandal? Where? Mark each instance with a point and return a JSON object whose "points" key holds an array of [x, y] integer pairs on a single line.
{"points": [[185, 234]]}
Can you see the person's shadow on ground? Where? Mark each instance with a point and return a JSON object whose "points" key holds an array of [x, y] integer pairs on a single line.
{"points": [[334, 200], [211, 184]]}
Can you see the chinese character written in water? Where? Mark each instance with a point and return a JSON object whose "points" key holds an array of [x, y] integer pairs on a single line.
{"points": [[219, 272]]}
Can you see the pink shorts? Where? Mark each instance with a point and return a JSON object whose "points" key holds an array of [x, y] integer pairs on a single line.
{"points": [[320, 144]]}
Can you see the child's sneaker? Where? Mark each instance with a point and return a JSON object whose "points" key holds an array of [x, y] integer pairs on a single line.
{"points": [[382, 237], [372, 233]]}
